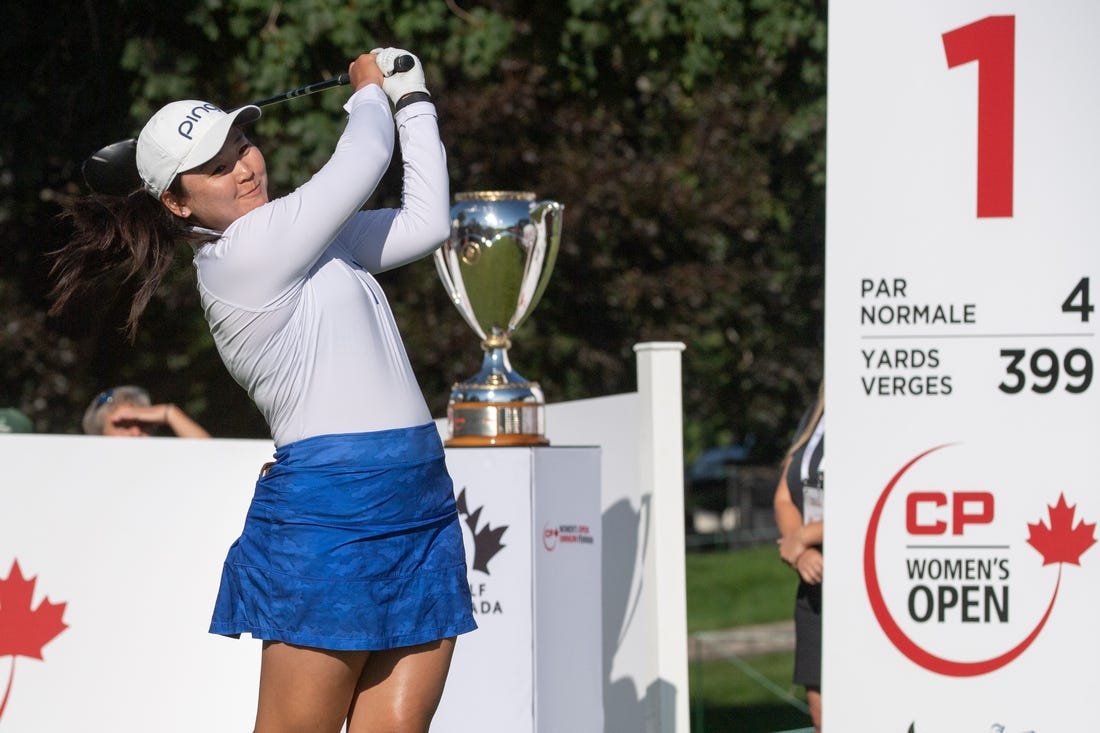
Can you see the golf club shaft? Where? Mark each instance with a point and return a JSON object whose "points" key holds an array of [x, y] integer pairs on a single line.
{"points": [[400, 64], [316, 86]]}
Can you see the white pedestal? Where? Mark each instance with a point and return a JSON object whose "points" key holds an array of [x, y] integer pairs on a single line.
{"points": [[532, 529]]}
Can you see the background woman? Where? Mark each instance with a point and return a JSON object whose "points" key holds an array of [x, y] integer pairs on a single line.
{"points": [[128, 411], [799, 500]]}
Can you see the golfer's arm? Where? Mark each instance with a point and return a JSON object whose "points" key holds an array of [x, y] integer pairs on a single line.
{"points": [[385, 239]]}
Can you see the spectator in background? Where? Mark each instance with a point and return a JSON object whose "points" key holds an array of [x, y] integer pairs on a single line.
{"points": [[128, 411], [14, 421], [799, 503]]}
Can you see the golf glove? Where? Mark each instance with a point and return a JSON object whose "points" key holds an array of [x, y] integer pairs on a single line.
{"points": [[398, 85]]}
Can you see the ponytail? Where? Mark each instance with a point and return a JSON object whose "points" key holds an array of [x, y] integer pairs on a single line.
{"points": [[134, 236]]}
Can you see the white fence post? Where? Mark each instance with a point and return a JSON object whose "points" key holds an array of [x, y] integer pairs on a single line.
{"points": [[661, 472]]}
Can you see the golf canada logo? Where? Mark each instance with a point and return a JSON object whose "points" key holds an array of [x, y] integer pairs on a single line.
{"points": [[954, 581], [482, 543]]}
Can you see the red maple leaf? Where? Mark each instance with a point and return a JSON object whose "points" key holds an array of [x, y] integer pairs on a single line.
{"points": [[23, 632], [1061, 541]]}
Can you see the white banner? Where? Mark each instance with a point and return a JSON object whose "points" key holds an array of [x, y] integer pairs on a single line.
{"points": [[112, 550], [963, 168], [110, 554]]}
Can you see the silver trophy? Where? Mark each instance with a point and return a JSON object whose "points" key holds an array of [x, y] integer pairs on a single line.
{"points": [[495, 266]]}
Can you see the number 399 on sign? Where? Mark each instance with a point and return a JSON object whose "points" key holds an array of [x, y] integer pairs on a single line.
{"points": [[1044, 371]]}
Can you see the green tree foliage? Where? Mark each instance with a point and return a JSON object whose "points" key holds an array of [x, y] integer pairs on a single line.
{"points": [[685, 138]]}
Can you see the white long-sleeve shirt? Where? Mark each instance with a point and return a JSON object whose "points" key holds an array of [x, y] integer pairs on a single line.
{"points": [[287, 290]]}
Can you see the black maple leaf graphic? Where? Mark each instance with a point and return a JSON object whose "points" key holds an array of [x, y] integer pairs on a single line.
{"points": [[486, 540]]}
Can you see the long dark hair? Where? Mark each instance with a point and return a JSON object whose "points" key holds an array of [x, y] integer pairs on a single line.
{"points": [[132, 236]]}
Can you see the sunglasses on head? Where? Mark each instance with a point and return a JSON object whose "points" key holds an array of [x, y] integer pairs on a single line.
{"points": [[104, 397]]}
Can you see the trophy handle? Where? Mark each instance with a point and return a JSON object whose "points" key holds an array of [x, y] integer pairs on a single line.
{"points": [[455, 289], [546, 218]]}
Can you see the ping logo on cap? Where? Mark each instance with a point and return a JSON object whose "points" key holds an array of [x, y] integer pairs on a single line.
{"points": [[187, 126]]}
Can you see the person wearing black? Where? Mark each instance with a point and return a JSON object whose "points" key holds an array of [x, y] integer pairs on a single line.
{"points": [[799, 499]]}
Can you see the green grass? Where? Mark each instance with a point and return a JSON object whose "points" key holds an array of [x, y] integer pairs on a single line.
{"points": [[728, 698], [738, 587], [742, 695]]}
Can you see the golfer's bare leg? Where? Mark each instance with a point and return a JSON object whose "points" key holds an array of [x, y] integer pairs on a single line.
{"points": [[400, 689], [304, 690]]}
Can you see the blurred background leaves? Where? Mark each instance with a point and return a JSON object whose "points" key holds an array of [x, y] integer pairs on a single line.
{"points": [[684, 137]]}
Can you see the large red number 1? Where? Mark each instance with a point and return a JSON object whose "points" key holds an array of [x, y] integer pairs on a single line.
{"points": [[992, 43]]}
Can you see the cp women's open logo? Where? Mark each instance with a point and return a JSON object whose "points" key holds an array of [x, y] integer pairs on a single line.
{"points": [[957, 572]]}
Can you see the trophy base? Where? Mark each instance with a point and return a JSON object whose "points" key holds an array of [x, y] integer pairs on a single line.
{"points": [[481, 424], [495, 441]]}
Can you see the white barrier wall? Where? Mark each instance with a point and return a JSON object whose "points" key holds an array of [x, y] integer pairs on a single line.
{"points": [[129, 535], [644, 598]]}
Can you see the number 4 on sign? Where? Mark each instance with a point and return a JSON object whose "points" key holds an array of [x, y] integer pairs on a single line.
{"points": [[1078, 300], [992, 43]]}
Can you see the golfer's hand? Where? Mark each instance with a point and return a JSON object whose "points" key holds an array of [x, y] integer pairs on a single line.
{"points": [[364, 70], [400, 84]]}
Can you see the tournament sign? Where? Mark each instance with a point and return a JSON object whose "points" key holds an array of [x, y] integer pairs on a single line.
{"points": [[961, 347]]}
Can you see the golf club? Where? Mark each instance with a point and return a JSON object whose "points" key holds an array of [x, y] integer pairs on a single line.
{"points": [[112, 169]]}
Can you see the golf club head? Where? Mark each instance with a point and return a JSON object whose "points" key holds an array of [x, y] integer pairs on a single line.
{"points": [[112, 169]]}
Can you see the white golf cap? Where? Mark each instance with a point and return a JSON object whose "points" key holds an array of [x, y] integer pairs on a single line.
{"points": [[181, 136]]}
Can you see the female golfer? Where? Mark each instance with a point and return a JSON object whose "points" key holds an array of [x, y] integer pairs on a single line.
{"points": [[350, 565]]}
